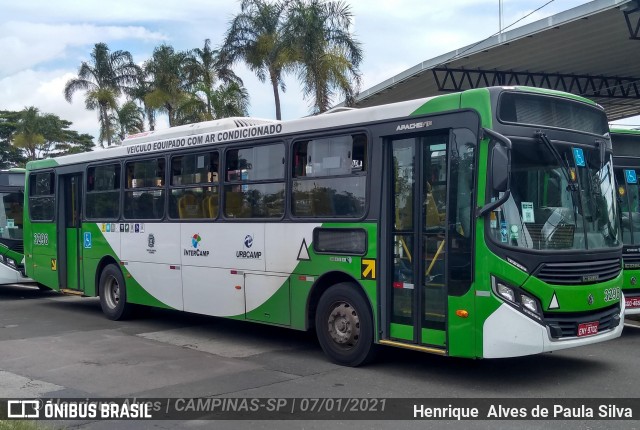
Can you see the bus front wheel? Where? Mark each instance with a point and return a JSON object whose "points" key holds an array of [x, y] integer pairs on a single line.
{"points": [[113, 294], [344, 325]]}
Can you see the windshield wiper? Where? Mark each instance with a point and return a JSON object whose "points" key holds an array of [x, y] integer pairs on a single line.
{"points": [[564, 166]]}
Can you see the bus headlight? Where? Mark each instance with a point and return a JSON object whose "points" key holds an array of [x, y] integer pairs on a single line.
{"points": [[517, 298], [505, 292], [529, 303]]}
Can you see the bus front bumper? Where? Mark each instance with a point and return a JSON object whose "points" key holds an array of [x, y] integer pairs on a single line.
{"points": [[508, 333]]}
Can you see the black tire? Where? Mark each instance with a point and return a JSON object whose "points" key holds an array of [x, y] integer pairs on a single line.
{"points": [[113, 294], [344, 325]]}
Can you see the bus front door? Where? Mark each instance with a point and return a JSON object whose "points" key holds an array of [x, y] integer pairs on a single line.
{"points": [[418, 235], [70, 237], [430, 238], [429, 246]]}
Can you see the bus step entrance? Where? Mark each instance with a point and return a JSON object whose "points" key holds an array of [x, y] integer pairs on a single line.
{"points": [[72, 292], [413, 346]]}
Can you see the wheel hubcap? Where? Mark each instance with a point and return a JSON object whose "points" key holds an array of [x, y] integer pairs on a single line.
{"points": [[344, 325], [112, 293]]}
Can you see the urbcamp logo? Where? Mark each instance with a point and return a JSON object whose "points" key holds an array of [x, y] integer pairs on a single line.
{"points": [[197, 251], [248, 241], [244, 253]]}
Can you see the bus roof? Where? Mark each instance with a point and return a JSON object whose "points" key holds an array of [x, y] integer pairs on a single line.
{"points": [[626, 142], [241, 129]]}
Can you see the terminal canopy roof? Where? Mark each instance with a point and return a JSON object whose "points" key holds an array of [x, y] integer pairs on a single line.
{"points": [[591, 50]]}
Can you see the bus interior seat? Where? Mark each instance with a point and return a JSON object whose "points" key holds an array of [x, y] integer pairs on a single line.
{"points": [[210, 206], [189, 207]]}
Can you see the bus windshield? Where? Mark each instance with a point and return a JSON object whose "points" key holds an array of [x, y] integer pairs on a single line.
{"points": [[568, 206], [11, 214], [629, 198]]}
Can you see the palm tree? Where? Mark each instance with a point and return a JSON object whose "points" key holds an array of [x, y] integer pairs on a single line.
{"points": [[230, 99], [169, 84], [128, 119], [204, 70], [256, 37], [205, 104], [328, 55], [103, 80], [139, 93]]}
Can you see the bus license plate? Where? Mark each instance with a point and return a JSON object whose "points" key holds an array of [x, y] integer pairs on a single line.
{"points": [[632, 302], [588, 329]]}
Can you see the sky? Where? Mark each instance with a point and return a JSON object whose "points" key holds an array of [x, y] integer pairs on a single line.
{"points": [[43, 42]]}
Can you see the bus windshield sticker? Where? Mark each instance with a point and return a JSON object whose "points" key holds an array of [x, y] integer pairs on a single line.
{"points": [[515, 232], [578, 156], [493, 220], [630, 175], [527, 212], [503, 231]]}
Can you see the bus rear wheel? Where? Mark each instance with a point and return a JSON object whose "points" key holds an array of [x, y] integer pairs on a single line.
{"points": [[113, 294], [344, 325]]}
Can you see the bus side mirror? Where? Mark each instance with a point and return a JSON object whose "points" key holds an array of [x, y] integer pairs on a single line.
{"points": [[500, 171], [500, 168]]}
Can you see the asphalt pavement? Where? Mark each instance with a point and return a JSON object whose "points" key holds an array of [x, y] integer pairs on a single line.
{"points": [[53, 345]]}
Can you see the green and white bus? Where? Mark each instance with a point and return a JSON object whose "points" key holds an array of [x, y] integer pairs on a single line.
{"points": [[626, 160], [11, 226], [475, 224]]}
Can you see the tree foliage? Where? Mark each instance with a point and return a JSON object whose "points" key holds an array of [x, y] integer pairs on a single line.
{"points": [[256, 36], [310, 38], [327, 55], [128, 119], [10, 156], [36, 135], [168, 80], [107, 76]]}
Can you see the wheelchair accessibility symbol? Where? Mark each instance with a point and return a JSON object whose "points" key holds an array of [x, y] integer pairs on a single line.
{"points": [[578, 156], [631, 176], [87, 240]]}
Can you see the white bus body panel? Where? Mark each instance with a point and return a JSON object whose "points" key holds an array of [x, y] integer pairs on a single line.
{"points": [[9, 275], [508, 333], [212, 268]]}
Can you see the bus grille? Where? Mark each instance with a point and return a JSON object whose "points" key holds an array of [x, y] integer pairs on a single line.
{"points": [[589, 272], [18, 247], [563, 325], [631, 261]]}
